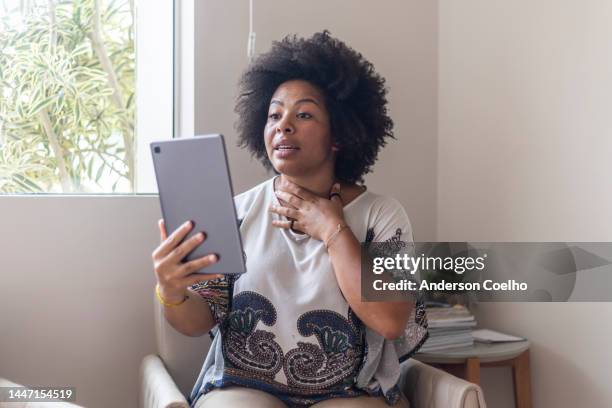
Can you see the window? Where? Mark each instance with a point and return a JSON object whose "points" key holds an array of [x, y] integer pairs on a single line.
{"points": [[69, 95]]}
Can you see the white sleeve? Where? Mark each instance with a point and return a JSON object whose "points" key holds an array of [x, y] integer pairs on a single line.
{"points": [[391, 223], [392, 228], [391, 231]]}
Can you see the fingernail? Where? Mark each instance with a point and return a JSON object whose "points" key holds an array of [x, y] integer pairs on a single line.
{"points": [[213, 257]]}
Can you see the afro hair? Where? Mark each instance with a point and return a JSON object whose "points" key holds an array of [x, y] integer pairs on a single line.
{"points": [[354, 93]]}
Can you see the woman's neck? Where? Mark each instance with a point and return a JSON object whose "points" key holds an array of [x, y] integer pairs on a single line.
{"points": [[320, 186]]}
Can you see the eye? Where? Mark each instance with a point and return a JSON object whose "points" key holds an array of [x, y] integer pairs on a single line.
{"points": [[304, 115], [274, 116]]}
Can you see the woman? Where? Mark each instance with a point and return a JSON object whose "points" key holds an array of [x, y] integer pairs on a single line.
{"points": [[293, 330]]}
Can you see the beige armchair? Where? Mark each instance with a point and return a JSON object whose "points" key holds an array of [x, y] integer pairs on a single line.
{"points": [[166, 379]]}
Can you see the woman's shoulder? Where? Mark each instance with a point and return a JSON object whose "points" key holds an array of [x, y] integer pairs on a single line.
{"points": [[245, 200], [384, 216], [376, 202]]}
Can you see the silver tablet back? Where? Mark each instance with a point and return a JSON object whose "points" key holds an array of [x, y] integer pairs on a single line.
{"points": [[194, 184]]}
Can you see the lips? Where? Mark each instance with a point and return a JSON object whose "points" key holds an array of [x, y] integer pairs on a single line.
{"points": [[286, 147], [284, 150]]}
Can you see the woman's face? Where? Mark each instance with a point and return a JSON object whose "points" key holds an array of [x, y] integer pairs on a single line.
{"points": [[297, 132]]}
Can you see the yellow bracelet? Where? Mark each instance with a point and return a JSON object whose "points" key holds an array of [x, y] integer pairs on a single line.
{"points": [[163, 302], [339, 228]]}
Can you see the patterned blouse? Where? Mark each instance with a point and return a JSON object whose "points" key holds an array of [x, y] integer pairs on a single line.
{"points": [[284, 326]]}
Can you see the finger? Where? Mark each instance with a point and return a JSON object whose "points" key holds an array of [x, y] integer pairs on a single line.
{"points": [[162, 229], [287, 225], [172, 241], [284, 203], [190, 267], [282, 224], [284, 211], [290, 198], [178, 253], [298, 191], [334, 194]]}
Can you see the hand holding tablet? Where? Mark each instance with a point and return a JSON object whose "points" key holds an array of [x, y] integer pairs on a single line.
{"points": [[172, 275]]}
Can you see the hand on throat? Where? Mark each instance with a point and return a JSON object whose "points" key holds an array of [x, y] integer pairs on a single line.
{"points": [[319, 186]]}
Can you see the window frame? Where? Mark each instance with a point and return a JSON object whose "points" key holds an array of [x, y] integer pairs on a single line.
{"points": [[157, 60]]}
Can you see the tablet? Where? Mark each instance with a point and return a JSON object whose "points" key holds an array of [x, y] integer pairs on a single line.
{"points": [[194, 184]]}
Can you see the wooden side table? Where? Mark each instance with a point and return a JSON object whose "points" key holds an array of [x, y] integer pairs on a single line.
{"points": [[466, 363]]}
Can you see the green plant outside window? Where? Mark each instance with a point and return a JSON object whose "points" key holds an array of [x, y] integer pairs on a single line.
{"points": [[67, 94]]}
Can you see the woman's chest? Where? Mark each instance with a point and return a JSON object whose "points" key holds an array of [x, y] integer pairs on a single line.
{"points": [[287, 270]]}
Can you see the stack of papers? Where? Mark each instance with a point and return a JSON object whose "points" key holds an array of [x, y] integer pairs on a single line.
{"points": [[492, 336], [449, 327]]}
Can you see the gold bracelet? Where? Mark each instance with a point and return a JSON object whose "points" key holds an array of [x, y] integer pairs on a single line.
{"points": [[339, 228], [163, 302]]}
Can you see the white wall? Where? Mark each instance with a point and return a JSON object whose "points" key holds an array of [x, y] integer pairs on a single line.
{"points": [[524, 155], [76, 293], [397, 36]]}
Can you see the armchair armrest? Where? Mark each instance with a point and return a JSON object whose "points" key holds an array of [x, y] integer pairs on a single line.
{"points": [[157, 389], [429, 387]]}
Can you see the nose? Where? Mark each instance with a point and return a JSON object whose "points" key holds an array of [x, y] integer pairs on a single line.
{"points": [[284, 126]]}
